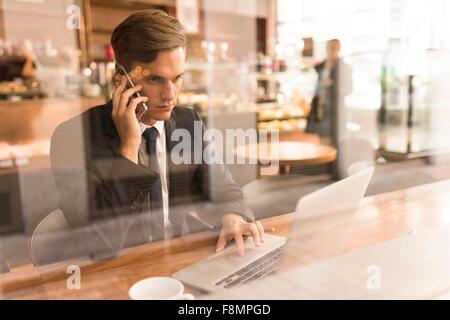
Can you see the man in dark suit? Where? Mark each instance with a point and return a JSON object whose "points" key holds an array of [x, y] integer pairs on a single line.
{"points": [[323, 116], [109, 163], [328, 117]]}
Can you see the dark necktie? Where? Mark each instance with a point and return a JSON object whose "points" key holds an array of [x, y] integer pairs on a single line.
{"points": [[157, 214]]}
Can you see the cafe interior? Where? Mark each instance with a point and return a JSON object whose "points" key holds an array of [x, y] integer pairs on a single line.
{"points": [[339, 86]]}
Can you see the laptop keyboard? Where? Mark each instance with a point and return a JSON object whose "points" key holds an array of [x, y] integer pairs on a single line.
{"points": [[258, 269]]}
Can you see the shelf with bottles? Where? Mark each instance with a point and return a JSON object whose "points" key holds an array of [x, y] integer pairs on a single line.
{"points": [[282, 86], [269, 68]]}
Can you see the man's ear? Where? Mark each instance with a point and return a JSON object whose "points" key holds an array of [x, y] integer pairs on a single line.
{"points": [[118, 66], [116, 74]]}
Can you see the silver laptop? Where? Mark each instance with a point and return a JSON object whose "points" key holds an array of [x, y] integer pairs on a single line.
{"points": [[226, 269]]}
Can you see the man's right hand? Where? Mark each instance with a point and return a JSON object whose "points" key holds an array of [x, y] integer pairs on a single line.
{"points": [[124, 117]]}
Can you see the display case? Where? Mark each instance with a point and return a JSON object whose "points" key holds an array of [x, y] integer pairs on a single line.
{"points": [[284, 99], [217, 88], [414, 113], [363, 99], [233, 87]]}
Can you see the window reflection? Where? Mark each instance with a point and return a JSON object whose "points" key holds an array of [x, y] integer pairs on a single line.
{"points": [[277, 99]]}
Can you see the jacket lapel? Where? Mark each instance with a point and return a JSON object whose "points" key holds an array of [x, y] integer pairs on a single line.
{"points": [[174, 172], [169, 127], [113, 139]]}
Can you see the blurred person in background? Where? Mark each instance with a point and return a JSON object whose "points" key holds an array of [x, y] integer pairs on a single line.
{"points": [[327, 117], [323, 115]]}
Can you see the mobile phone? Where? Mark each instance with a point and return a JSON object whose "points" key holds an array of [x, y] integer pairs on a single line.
{"points": [[142, 107]]}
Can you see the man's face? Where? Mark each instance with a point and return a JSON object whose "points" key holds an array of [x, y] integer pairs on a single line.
{"points": [[333, 49], [161, 82]]}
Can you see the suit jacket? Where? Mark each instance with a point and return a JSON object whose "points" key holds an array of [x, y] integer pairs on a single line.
{"points": [[324, 127], [96, 183]]}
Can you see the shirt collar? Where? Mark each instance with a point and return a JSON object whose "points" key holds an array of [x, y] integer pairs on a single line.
{"points": [[159, 125]]}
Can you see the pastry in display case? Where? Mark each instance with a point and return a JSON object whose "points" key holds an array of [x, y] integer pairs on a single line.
{"points": [[292, 91], [197, 101], [202, 102], [220, 87], [285, 117], [20, 89], [284, 125], [20, 154], [279, 112]]}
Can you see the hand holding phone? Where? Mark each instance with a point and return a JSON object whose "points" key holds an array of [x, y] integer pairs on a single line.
{"points": [[142, 107], [126, 113]]}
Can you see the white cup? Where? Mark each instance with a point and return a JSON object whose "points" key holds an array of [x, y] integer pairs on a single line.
{"points": [[91, 90], [159, 288]]}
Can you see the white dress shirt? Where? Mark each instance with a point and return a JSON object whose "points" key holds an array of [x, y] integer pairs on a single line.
{"points": [[162, 164]]}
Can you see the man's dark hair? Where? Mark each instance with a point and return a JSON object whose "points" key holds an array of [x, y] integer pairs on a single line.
{"points": [[336, 41], [141, 36]]}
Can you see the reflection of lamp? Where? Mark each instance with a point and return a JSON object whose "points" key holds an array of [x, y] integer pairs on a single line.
{"points": [[188, 14], [209, 48], [49, 49], [224, 51]]}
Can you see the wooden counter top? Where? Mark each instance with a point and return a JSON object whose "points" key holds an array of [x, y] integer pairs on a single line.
{"points": [[381, 217], [29, 120]]}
